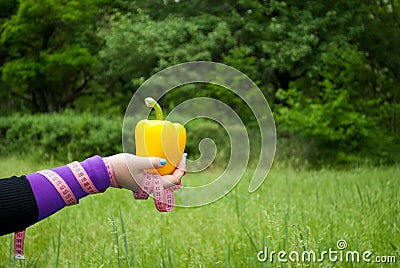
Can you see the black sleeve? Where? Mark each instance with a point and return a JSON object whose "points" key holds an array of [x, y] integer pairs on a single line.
{"points": [[18, 208]]}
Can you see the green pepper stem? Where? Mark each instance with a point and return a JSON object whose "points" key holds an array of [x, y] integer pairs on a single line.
{"points": [[152, 103]]}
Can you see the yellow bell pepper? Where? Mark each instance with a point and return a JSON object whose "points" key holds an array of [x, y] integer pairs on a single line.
{"points": [[160, 138]]}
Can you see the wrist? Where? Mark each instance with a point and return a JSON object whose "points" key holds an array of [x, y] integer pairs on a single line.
{"points": [[111, 173], [122, 173]]}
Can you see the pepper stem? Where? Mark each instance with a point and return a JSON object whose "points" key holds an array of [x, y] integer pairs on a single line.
{"points": [[152, 103]]}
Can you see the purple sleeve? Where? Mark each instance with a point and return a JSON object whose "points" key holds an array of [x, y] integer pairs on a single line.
{"points": [[47, 197]]}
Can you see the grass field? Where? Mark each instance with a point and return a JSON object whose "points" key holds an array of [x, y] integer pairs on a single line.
{"points": [[294, 210]]}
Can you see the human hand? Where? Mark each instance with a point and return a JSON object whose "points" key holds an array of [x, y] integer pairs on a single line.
{"points": [[129, 170]]}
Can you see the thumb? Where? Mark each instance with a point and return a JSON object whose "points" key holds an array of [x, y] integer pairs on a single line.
{"points": [[182, 163], [148, 162]]}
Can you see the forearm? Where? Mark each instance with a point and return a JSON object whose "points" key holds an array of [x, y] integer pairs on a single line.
{"points": [[27, 200], [48, 198], [34, 197]]}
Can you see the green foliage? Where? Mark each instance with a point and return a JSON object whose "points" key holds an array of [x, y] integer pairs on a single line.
{"points": [[200, 129], [128, 57], [328, 69], [7, 8], [50, 50], [65, 137], [335, 114], [69, 136]]}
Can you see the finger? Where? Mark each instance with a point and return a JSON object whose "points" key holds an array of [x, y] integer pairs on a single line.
{"points": [[170, 180], [139, 162], [177, 174], [182, 163]]}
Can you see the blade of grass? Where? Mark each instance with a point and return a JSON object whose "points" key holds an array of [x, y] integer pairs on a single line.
{"points": [[359, 193], [286, 230], [102, 255], [227, 257], [35, 262], [143, 259], [134, 257], [172, 258], [164, 264], [58, 247], [11, 257], [115, 231], [125, 240], [253, 243]]}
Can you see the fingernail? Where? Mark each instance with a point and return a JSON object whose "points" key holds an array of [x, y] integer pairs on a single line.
{"points": [[185, 155], [163, 161]]}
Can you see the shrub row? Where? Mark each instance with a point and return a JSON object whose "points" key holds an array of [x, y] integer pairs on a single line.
{"points": [[65, 137], [72, 136]]}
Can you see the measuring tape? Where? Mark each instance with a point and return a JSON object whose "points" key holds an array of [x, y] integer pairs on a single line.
{"points": [[111, 174], [66, 194], [163, 198], [19, 239]]}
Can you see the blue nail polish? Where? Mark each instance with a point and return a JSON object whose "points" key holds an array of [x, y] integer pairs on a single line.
{"points": [[185, 155], [163, 161]]}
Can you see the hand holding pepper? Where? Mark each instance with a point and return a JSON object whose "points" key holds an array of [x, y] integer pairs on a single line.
{"points": [[129, 170]]}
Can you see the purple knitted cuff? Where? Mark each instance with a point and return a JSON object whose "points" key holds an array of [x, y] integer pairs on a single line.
{"points": [[47, 197]]}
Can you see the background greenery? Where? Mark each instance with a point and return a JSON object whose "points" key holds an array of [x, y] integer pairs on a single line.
{"points": [[295, 209], [330, 70]]}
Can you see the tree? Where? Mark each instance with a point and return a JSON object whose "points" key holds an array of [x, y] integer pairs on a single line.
{"points": [[50, 47], [137, 46], [346, 103], [328, 68]]}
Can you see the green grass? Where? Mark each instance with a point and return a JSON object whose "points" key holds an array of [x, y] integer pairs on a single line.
{"points": [[293, 210]]}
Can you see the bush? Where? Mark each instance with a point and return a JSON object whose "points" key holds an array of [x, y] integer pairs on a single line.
{"points": [[64, 137], [199, 129], [72, 136], [332, 131], [337, 115]]}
